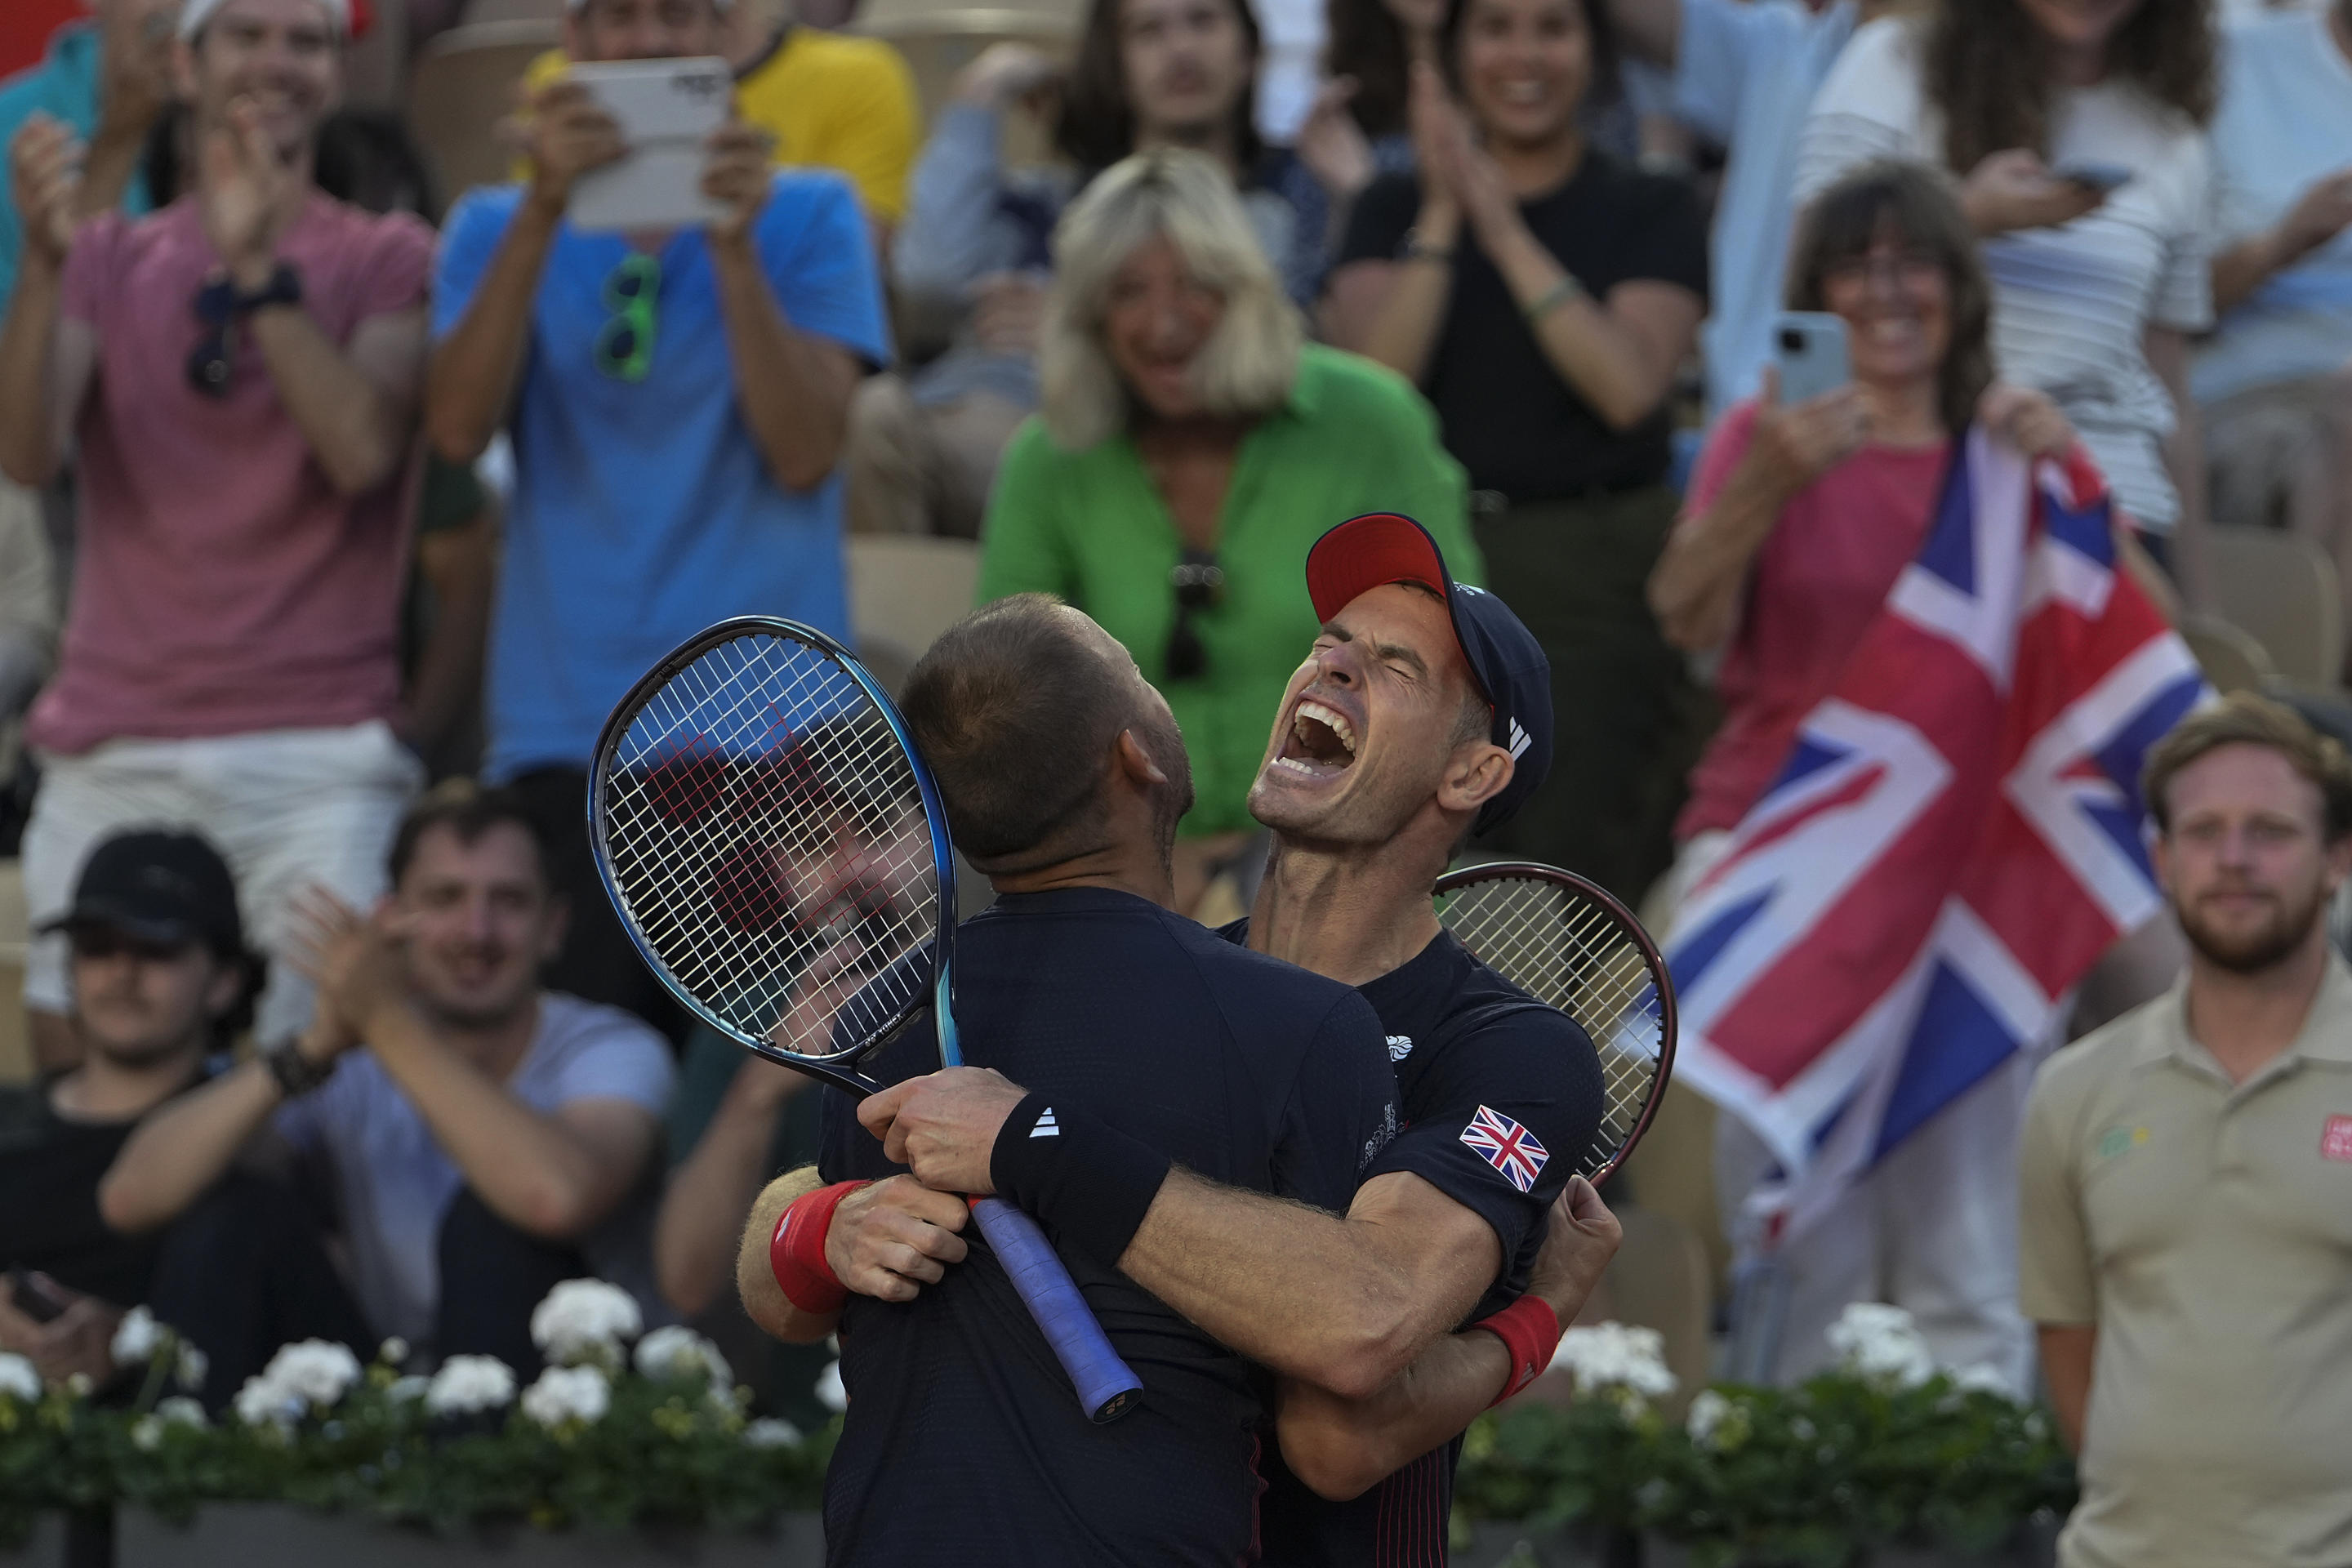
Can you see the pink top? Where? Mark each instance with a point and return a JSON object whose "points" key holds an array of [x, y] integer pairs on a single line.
{"points": [[221, 583], [1823, 572]]}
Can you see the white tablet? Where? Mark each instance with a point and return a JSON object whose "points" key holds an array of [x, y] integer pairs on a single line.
{"points": [[667, 110]]}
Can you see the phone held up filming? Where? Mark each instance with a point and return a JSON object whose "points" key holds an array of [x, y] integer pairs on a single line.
{"points": [[667, 110]]}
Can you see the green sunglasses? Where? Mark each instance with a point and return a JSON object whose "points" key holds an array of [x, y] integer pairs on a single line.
{"points": [[624, 345]]}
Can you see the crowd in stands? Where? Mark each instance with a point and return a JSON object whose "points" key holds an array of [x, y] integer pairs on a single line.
{"points": [[316, 495]]}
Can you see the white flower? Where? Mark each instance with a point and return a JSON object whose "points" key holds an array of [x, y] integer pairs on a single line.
{"points": [[583, 1319], [264, 1402], [770, 1432], [137, 1338], [316, 1372], [1881, 1343], [147, 1434], [829, 1389], [467, 1385], [1708, 1410], [18, 1378], [181, 1411], [393, 1352], [567, 1393], [192, 1366], [1983, 1378], [1615, 1356], [680, 1352]]}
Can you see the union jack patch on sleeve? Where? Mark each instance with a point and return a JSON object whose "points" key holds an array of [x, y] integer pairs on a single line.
{"points": [[1507, 1146]]}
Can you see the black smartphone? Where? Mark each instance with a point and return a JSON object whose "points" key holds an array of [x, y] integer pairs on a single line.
{"points": [[33, 1297]]}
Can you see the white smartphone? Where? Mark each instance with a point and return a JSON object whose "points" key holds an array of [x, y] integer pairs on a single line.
{"points": [[666, 110], [2100, 177], [1809, 348]]}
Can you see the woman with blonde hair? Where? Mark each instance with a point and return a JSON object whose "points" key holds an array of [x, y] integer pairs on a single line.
{"points": [[1190, 446]]}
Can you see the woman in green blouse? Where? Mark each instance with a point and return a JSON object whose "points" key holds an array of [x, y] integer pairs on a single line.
{"points": [[1190, 446]]}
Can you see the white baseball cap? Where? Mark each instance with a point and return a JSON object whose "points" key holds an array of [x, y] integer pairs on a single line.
{"points": [[194, 14]]}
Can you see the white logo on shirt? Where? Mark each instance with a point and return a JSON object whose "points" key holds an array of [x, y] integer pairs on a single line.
{"points": [[1399, 1047], [1047, 1126]]}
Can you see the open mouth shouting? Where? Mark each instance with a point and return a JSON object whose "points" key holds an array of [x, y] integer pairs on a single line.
{"points": [[1320, 743]]}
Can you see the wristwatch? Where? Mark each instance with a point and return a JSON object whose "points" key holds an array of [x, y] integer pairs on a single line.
{"points": [[284, 287], [297, 1074], [1415, 249]]}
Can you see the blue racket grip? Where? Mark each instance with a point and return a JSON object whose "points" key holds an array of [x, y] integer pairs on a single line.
{"points": [[1105, 1387]]}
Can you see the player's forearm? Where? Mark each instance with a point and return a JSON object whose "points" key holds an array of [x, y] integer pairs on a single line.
{"points": [[1342, 1447], [184, 1148], [795, 405], [470, 382], [1308, 1294], [765, 1301], [696, 1235]]}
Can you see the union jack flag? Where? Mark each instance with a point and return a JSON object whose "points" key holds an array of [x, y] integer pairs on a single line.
{"points": [[1507, 1146], [1954, 841]]}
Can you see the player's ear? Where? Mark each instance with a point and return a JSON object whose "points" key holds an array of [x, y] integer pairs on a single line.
{"points": [[1131, 758], [1478, 772]]}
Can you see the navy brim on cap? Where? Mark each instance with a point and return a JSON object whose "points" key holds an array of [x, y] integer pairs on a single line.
{"points": [[1505, 659]]}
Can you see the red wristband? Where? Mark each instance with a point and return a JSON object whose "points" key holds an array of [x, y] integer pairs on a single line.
{"points": [[1530, 1331], [796, 1252]]}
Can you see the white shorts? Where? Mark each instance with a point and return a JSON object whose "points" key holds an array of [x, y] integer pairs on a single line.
{"points": [[288, 808]]}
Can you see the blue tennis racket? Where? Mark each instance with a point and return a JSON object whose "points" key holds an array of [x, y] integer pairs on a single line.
{"points": [[777, 850]]}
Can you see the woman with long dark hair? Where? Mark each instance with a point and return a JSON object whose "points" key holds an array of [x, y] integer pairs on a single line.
{"points": [[1543, 295], [2075, 132]]}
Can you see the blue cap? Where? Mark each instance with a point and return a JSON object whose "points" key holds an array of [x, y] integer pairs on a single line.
{"points": [[1381, 547]]}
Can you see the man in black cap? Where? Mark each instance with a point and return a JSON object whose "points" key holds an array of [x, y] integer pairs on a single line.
{"points": [[162, 985], [1421, 714]]}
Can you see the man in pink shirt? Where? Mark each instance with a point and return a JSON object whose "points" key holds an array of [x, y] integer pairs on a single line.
{"points": [[238, 374]]}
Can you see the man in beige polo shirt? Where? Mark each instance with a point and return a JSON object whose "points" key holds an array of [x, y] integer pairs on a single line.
{"points": [[2187, 1183]]}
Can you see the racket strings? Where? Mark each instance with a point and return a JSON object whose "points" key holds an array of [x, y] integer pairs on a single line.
{"points": [[1573, 953], [766, 834]]}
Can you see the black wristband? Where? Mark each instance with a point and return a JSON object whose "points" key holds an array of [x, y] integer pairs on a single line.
{"points": [[1074, 1172], [296, 1074]]}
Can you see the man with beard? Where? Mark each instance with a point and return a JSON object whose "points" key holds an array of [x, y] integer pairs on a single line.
{"points": [[485, 1139], [2187, 1177], [1063, 776], [1423, 712]]}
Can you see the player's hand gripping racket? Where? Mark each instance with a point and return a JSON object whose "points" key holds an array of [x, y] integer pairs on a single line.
{"points": [[1568, 943], [777, 851]]}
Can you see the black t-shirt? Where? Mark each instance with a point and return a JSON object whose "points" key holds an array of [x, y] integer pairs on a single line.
{"points": [[1507, 415], [1495, 1089], [964, 1442], [49, 1172]]}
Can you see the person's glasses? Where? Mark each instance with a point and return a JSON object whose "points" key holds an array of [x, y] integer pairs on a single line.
{"points": [[1199, 582], [624, 345], [98, 944], [1902, 269], [208, 365]]}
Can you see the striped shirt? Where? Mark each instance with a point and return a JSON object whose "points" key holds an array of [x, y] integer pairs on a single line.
{"points": [[2070, 304]]}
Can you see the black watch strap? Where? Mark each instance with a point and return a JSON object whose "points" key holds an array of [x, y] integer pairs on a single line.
{"points": [[284, 287], [296, 1075]]}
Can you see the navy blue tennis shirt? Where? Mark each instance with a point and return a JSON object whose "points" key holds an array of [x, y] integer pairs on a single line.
{"points": [[964, 1442], [1500, 1098]]}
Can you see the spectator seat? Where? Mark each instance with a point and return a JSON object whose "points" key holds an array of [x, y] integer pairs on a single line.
{"points": [[2232, 657], [463, 85], [904, 591], [2283, 589]]}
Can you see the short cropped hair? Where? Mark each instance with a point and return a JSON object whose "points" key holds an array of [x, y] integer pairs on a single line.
{"points": [[2244, 718], [467, 810], [1016, 717], [1250, 362]]}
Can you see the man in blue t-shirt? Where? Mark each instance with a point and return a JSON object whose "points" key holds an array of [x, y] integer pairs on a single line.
{"points": [[1063, 776], [1422, 713], [676, 404]]}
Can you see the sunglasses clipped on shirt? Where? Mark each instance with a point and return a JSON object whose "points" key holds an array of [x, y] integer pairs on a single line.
{"points": [[625, 344], [1199, 582]]}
